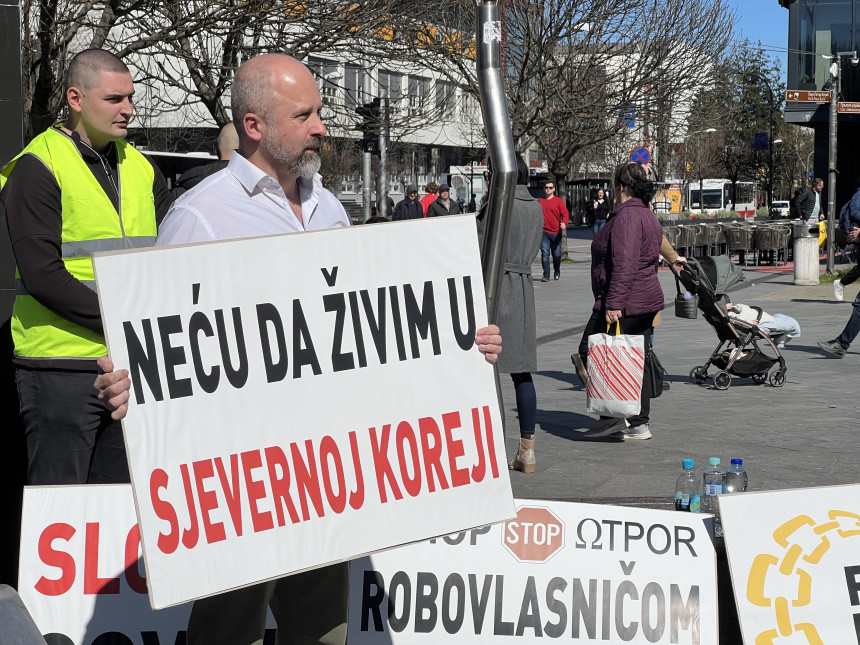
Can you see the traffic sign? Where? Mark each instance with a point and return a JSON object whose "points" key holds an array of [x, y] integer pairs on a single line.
{"points": [[535, 536], [809, 97], [848, 107], [640, 155]]}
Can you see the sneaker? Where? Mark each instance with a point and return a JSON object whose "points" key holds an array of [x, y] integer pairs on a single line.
{"points": [[838, 290], [576, 359], [636, 433], [605, 427], [545, 279], [833, 347]]}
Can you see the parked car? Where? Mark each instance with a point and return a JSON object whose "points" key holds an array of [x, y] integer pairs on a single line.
{"points": [[780, 210]]}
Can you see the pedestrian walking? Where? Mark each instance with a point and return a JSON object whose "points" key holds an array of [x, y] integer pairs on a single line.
{"points": [[555, 219], [624, 259], [443, 205], [409, 207]]}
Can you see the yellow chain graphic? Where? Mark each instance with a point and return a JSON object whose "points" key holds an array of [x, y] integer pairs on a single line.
{"points": [[791, 536]]}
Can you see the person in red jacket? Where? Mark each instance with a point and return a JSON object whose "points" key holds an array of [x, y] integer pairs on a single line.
{"points": [[432, 193], [555, 218]]}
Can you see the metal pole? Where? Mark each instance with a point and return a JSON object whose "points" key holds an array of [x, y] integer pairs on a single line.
{"points": [[382, 190], [497, 124], [831, 158], [367, 157], [770, 149]]}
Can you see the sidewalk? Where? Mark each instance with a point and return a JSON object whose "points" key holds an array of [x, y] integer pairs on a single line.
{"points": [[800, 435]]}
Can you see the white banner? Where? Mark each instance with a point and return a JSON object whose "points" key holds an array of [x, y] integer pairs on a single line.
{"points": [[794, 561], [80, 575], [303, 399], [574, 572]]}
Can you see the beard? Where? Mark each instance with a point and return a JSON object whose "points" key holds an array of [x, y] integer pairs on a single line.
{"points": [[304, 163], [308, 165]]}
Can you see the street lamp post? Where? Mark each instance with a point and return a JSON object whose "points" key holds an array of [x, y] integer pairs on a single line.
{"points": [[770, 144], [806, 167], [835, 89], [773, 142]]}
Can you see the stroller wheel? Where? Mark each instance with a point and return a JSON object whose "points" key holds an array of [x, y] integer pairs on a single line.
{"points": [[722, 380], [777, 379], [758, 379], [698, 375]]}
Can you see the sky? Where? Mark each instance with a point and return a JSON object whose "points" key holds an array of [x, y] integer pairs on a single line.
{"points": [[764, 21]]}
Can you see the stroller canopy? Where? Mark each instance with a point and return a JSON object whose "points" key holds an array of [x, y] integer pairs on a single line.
{"points": [[718, 274]]}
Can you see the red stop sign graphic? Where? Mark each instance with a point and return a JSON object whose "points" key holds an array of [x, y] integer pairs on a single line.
{"points": [[535, 536]]}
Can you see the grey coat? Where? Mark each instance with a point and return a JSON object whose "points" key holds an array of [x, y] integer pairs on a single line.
{"points": [[516, 317]]}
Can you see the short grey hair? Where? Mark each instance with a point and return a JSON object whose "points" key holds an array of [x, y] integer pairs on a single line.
{"points": [[251, 93]]}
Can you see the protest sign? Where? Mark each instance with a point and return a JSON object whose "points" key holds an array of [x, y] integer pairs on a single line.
{"points": [[573, 572], [303, 399], [793, 556], [80, 575]]}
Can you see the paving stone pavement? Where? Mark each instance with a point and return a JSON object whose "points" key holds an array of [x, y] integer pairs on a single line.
{"points": [[799, 435]]}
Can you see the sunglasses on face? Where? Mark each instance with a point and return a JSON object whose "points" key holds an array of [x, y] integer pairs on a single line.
{"points": [[549, 187]]}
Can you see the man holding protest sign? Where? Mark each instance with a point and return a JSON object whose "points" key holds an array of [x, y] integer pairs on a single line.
{"points": [[271, 186], [75, 189]]}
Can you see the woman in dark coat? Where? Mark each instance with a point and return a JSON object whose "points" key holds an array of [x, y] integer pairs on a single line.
{"points": [[516, 316], [624, 258], [601, 210]]}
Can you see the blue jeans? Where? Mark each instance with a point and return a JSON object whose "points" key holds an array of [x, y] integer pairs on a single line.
{"points": [[550, 242], [782, 323], [853, 327], [598, 224], [70, 436]]}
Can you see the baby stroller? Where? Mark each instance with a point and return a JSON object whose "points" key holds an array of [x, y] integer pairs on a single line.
{"points": [[745, 350]]}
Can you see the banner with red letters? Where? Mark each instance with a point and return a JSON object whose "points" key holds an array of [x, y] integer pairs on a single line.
{"points": [[80, 573], [303, 399]]}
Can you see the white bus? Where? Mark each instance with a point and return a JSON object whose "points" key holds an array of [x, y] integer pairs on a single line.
{"points": [[718, 196]]}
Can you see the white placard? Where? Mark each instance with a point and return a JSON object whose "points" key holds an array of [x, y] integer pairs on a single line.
{"points": [[80, 574], [303, 399], [571, 572], [795, 566]]}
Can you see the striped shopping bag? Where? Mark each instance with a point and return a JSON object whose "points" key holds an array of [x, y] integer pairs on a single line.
{"points": [[615, 366]]}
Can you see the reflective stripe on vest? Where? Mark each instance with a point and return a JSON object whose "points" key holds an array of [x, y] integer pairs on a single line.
{"points": [[85, 248], [91, 223], [21, 288]]}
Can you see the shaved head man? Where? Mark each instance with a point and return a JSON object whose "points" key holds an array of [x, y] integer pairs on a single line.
{"points": [[76, 188], [270, 186]]}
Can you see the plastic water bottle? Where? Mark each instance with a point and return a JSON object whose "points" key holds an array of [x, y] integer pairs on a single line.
{"points": [[736, 477], [712, 485], [687, 295], [687, 489]]}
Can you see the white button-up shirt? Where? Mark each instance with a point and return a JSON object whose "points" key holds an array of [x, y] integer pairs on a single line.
{"points": [[243, 201]]}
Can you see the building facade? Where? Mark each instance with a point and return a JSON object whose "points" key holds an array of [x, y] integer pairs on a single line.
{"points": [[822, 33]]}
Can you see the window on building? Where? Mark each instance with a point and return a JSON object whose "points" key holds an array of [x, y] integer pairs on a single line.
{"points": [[353, 83], [419, 91], [469, 104], [823, 28], [390, 87], [445, 98], [328, 75], [351, 183]]}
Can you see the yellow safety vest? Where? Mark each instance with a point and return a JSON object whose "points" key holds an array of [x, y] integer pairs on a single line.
{"points": [[90, 224]]}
